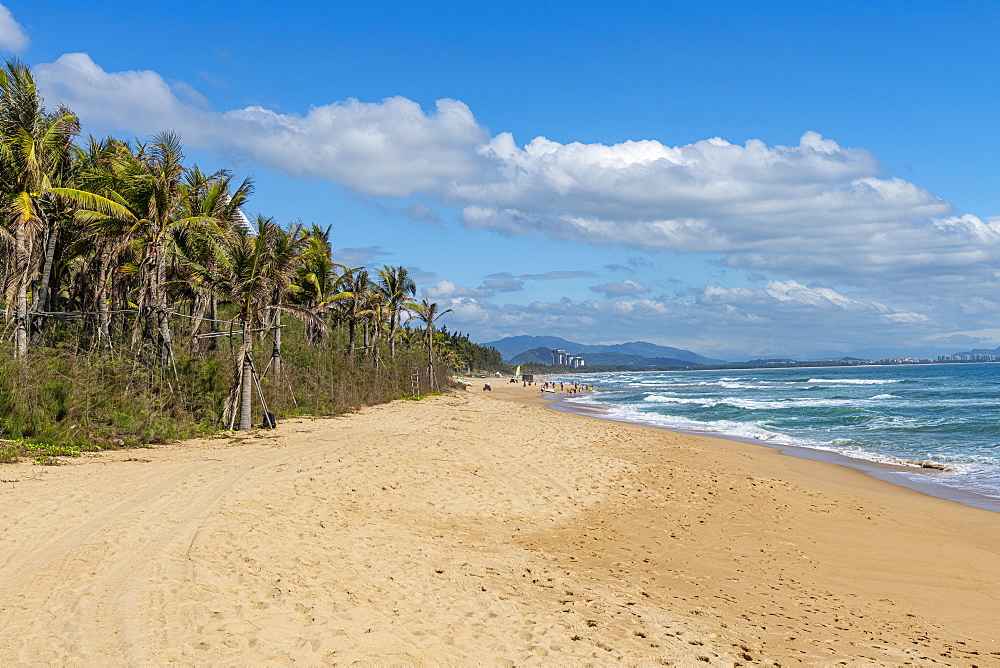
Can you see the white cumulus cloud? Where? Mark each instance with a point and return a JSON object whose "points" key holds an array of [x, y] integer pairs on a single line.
{"points": [[391, 148], [12, 35]]}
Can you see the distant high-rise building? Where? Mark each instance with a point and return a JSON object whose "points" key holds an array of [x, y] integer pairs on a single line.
{"points": [[562, 358], [969, 357]]}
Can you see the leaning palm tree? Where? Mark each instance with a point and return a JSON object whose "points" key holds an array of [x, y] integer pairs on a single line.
{"points": [[427, 313], [397, 289]]}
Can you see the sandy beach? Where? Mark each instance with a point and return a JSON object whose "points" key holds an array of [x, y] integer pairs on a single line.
{"points": [[485, 529]]}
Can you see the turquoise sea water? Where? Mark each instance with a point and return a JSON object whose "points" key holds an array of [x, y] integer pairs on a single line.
{"points": [[946, 413]]}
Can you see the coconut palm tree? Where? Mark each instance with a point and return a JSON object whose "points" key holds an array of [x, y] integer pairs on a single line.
{"points": [[317, 283], [291, 243], [35, 197], [427, 313], [204, 198], [352, 299], [397, 289], [102, 246], [248, 272], [147, 180], [374, 316]]}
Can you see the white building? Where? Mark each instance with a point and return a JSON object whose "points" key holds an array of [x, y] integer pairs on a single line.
{"points": [[561, 358]]}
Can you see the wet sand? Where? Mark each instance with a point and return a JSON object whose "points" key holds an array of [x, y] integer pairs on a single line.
{"points": [[484, 529]]}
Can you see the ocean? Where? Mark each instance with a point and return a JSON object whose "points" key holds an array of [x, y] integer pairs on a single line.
{"points": [[947, 413]]}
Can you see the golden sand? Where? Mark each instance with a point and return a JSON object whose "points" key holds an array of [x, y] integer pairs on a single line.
{"points": [[482, 530]]}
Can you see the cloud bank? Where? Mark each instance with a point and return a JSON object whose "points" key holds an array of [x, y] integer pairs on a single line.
{"points": [[813, 209], [732, 323]]}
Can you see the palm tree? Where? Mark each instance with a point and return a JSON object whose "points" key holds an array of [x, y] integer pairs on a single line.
{"points": [[147, 182], [397, 289], [317, 282], [291, 243], [102, 247], [354, 286], [249, 271], [35, 171], [207, 197], [428, 314], [374, 315]]}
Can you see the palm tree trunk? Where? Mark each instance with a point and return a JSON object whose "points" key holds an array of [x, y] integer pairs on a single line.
{"points": [[213, 313], [21, 318], [44, 297], [314, 334], [41, 294], [198, 309], [101, 300], [117, 322], [393, 326], [166, 350], [246, 393], [239, 402], [166, 345], [276, 351], [431, 381], [103, 319], [374, 346], [21, 297]]}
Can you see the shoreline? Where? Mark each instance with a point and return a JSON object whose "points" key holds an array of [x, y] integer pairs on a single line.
{"points": [[884, 471], [483, 528], [906, 508]]}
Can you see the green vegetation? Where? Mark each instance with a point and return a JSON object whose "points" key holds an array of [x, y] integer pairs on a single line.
{"points": [[463, 354], [141, 306]]}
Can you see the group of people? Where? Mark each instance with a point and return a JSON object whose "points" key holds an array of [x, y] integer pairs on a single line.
{"points": [[575, 388], [548, 386]]}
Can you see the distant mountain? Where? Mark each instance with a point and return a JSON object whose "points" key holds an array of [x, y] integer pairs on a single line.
{"points": [[515, 345], [639, 353], [617, 359]]}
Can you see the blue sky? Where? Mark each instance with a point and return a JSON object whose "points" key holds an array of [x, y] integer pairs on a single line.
{"points": [[739, 179]]}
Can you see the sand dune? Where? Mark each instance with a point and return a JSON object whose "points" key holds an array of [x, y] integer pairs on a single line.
{"points": [[475, 530]]}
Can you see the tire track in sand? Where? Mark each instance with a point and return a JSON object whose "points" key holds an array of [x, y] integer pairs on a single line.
{"points": [[92, 575]]}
